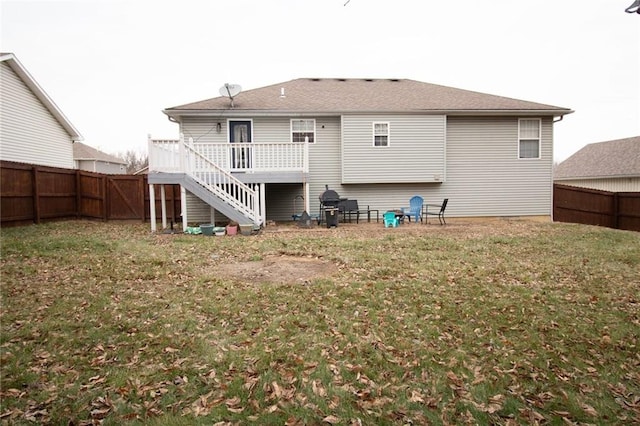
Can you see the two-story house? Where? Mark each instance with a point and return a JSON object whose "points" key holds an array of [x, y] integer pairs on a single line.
{"points": [[379, 141]]}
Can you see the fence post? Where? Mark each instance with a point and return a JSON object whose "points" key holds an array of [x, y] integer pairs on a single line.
{"points": [[105, 198], [36, 196], [615, 219], [78, 194], [143, 211]]}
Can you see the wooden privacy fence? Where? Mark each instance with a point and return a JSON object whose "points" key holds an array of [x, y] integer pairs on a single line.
{"points": [[620, 210], [35, 194]]}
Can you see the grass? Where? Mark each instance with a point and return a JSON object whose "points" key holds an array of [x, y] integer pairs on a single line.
{"points": [[502, 323]]}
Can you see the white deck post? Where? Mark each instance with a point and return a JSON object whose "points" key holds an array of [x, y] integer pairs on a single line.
{"points": [[307, 203], [163, 205], [152, 207], [183, 207], [182, 153], [263, 203], [305, 170]]}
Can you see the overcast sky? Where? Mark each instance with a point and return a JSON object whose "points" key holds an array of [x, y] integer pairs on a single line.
{"points": [[112, 66]]}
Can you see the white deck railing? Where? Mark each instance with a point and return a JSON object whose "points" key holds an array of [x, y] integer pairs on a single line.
{"points": [[165, 156], [170, 156], [212, 165]]}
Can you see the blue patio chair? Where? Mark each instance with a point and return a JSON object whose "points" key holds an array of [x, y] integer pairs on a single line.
{"points": [[415, 208], [390, 220]]}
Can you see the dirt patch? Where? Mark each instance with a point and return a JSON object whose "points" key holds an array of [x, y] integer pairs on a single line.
{"points": [[279, 269]]}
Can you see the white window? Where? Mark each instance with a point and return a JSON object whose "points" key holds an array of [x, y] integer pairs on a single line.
{"points": [[302, 129], [529, 138], [380, 134]]}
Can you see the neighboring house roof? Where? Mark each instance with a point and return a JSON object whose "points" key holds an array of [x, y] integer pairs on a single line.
{"points": [[617, 158], [21, 71], [82, 152], [337, 95]]}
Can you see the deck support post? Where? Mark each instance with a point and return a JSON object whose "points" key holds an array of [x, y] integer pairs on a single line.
{"points": [[307, 203], [163, 205], [152, 207], [183, 207], [263, 203]]}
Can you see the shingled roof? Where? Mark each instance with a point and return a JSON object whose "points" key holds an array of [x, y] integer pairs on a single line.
{"points": [[616, 158], [85, 152], [344, 95]]}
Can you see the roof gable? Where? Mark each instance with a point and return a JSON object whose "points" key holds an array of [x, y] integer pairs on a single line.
{"points": [[85, 152], [616, 158], [30, 82], [337, 95]]}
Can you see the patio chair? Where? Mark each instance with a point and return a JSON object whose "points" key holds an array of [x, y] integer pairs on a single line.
{"points": [[350, 207], [415, 208], [390, 220], [440, 212]]}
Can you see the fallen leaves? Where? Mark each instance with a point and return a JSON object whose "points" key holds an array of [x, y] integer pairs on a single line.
{"points": [[463, 324]]}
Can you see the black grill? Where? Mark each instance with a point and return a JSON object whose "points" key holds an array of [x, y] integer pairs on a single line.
{"points": [[329, 201], [329, 198]]}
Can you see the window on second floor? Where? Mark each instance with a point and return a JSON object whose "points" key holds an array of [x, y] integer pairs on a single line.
{"points": [[303, 129], [529, 138], [380, 134]]}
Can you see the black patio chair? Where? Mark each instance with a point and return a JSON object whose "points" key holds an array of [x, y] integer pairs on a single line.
{"points": [[350, 207], [440, 212]]}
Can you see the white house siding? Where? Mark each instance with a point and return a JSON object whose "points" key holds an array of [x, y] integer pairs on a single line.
{"points": [[631, 184], [28, 131], [485, 176], [415, 141]]}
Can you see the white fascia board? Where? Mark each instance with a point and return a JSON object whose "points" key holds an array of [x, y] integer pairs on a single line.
{"points": [[297, 113]]}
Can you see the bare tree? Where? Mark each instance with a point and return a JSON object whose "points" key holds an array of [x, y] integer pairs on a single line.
{"points": [[135, 160]]}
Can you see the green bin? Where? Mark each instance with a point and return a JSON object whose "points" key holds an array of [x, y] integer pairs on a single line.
{"points": [[207, 229]]}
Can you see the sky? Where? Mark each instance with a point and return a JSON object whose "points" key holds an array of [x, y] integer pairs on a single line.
{"points": [[112, 66]]}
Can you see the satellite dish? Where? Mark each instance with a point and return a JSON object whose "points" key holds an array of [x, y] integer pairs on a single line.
{"points": [[230, 90]]}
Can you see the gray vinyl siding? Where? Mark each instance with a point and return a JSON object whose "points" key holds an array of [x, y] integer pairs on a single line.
{"points": [[265, 129], [28, 131], [485, 177], [280, 199], [324, 169], [417, 142], [325, 158], [101, 167], [200, 212]]}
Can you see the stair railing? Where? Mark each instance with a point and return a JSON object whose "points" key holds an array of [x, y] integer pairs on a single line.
{"points": [[221, 183]]}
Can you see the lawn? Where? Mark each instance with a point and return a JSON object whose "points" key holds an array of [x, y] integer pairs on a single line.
{"points": [[506, 322]]}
